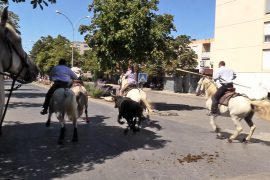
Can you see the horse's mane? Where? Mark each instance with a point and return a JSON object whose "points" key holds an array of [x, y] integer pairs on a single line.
{"points": [[211, 87], [13, 30]]}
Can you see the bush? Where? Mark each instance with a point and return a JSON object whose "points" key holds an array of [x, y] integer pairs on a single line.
{"points": [[93, 91]]}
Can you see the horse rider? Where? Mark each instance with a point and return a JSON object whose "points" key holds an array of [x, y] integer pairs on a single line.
{"points": [[62, 77], [225, 76], [130, 75]]}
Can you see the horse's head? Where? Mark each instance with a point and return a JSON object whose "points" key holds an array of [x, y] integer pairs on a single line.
{"points": [[207, 85], [13, 59]]}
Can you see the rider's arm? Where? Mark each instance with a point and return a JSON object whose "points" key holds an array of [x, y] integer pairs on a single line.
{"points": [[73, 76], [216, 75]]}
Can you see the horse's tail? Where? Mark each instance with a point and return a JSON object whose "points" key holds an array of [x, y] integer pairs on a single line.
{"points": [[262, 108], [147, 105]]}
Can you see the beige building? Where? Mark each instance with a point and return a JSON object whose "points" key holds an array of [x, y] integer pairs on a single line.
{"points": [[81, 46], [203, 50], [242, 40]]}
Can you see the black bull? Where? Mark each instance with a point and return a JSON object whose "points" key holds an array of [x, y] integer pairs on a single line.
{"points": [[131, 110]]}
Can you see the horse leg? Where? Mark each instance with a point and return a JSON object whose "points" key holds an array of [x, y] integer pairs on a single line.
{"points": [[214, 126], [133, 124], [252, 126], [75, 133], [236, 121], [62, 133], [139, 123], [128, 126], [2, 99], [86, 112], [48, 123]]}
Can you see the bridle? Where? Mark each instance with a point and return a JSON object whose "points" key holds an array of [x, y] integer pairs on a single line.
{"points": [[22, 57], [14, 77], [207, 84]]}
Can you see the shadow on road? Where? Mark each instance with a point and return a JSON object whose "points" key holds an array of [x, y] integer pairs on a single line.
{"points": [[239, 139], [161, 106], [30, 151]]}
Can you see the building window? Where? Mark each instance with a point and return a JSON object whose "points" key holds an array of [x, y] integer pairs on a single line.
{"points": [[266, 59], [267, 6], [267, 32]]}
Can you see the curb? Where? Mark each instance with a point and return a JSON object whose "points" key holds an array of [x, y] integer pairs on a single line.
{"points": [[169, 93]]}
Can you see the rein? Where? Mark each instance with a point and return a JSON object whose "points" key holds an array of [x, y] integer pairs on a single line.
{"points": [[6, 106], [9, 96], [14, 79]]}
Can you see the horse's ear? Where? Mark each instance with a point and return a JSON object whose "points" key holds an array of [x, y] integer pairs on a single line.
{"points": [[4, 16]]}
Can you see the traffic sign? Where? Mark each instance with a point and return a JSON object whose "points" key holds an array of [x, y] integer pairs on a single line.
{"points": [[142, 77]]}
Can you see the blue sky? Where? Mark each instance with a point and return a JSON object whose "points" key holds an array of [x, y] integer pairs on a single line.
{"points": [[191, 17]]}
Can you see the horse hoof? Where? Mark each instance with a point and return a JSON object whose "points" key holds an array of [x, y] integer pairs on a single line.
{"points": [[48, 124], [217, 130], [244, 141], [229, 140]]}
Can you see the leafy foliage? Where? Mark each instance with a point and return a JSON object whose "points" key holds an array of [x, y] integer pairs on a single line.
{"points": [[93, 91], [89, 61], [48, 50], [35, 3], [181, 55], [13, 18], [127, 30]]}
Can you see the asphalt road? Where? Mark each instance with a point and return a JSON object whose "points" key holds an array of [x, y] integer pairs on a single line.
{"points": [[180, 146]]}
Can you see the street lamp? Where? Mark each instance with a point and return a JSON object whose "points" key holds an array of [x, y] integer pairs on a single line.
{"points": [[73, 29]]}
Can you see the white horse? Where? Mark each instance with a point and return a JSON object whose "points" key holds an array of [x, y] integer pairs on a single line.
{"points": [[63, 103], [81, 98], [137, 95], [13, 59], [239, 107]]}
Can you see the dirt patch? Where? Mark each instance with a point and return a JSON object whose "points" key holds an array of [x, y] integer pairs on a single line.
{"points": [[195, 158]]}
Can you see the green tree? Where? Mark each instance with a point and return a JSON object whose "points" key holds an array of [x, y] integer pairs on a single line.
{"points": [[35, 3], [127, 30], [180, 55], [48, 50], [13, 18]]}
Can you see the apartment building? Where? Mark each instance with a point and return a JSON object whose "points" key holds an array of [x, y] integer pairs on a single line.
{"points": [[81, 46], [203, 50], [242, 40]]}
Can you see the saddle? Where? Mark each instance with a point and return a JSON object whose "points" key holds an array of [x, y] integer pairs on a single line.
{"points": [[230, 93], [77, 83], [128, 88]]}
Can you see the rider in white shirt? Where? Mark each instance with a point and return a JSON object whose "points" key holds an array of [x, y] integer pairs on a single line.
{"points": [[225, 77]]}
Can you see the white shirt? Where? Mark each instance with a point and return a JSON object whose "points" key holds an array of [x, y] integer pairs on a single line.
{"points": [[224, 75]]}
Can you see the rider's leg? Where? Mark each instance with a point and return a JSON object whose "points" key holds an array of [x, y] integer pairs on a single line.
{"points": [[49, 94], [48, 98], [123, 89], [215, 100]]}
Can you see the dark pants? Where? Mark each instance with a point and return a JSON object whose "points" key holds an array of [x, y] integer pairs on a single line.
{"points": [[56, 85], [220, 92]]}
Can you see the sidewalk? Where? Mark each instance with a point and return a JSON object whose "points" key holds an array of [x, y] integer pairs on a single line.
{"points": [[166, 92], [148, 90]]}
